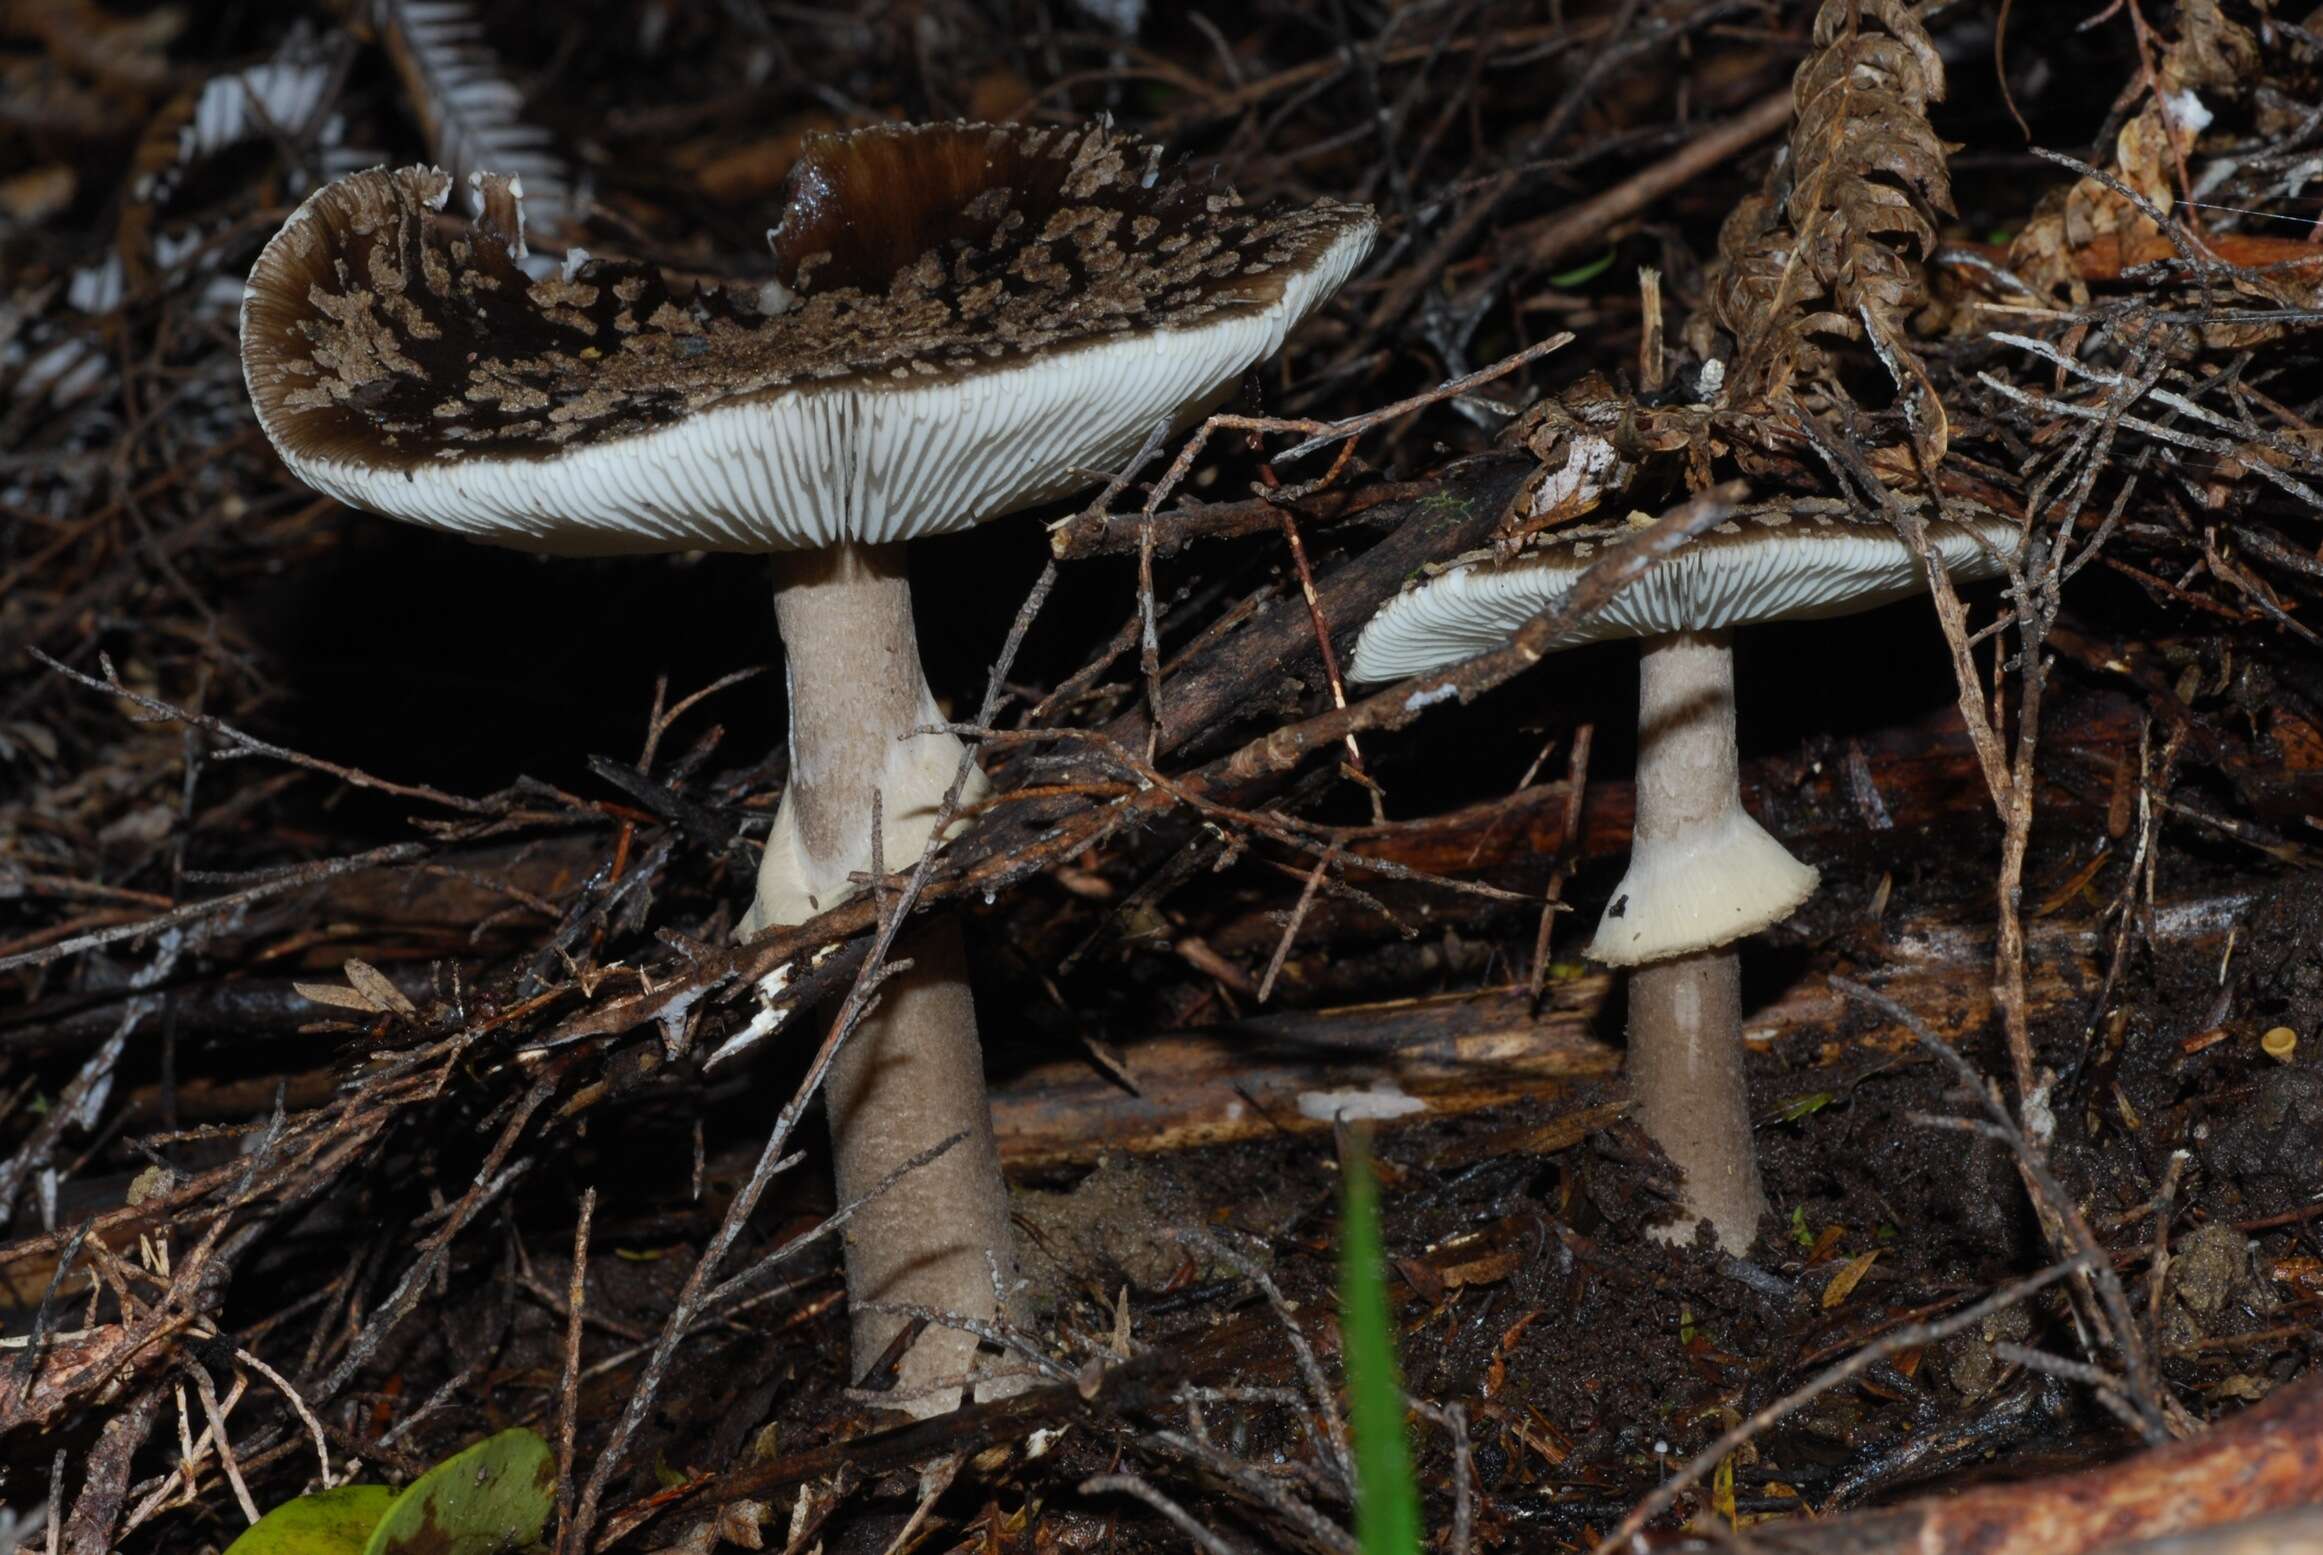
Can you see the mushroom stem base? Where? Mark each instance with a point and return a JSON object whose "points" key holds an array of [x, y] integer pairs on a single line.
{"points": [[1685, 1066], [911, 1077]]}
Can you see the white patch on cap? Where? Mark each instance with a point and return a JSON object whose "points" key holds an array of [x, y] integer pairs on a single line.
{"points": [[1385, 1099], [2187, 111]]}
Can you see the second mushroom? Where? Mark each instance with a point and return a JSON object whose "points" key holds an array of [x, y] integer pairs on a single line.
{"points": [[1702, 873]]}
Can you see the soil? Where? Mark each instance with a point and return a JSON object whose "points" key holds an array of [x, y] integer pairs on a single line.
{"points": [[1591, 1357]]}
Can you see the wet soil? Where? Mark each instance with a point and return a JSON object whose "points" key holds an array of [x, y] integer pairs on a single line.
{"points": [[1591, 1358]]}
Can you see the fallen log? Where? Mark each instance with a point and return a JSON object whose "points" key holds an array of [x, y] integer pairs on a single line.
{"points": [[2285, 1533], [2267, 1459], [1461, 1052], [1416, 1057]]}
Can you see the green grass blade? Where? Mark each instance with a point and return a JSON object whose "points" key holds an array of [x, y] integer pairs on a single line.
{"points": [[1387, 1500]]}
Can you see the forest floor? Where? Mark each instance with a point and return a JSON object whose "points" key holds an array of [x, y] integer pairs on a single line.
{"points": [[367, 898]]}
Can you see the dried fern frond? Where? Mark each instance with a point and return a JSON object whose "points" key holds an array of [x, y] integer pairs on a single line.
{"points": [[165, 236], [471, 113], [1837, 242], [2210, 61]]}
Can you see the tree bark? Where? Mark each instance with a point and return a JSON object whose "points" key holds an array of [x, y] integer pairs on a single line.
{"points": [[2267, 1459]]}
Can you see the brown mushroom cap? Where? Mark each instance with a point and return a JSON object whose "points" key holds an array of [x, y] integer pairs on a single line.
{"points": [[979, 315]]}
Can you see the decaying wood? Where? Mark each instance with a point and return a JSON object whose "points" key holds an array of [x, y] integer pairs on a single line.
{"points": [[1912, 776], [2267, 1459], [1123, 534], [1462, 1052], [2285, 1533], [1244, 1080]]}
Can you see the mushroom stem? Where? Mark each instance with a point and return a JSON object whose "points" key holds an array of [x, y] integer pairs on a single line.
{"points": [[912, 1074], [1685, 1013], [1685, 1066]]}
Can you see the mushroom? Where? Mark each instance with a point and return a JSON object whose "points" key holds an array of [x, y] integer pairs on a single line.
{"points": [[1702, 873], [964, 320]]}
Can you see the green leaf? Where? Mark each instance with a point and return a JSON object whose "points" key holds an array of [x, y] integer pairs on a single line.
{"points": [[1387, 1501], [492, 1498], [329, 1522], [1799, 1232]]}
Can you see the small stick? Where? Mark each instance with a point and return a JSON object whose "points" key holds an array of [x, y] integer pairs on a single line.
{"points": [[208, 1393], [1210, 1542], [1354, 426], [1319, 1387], [2160, 1412], [1290, 930], [298, 1407], [569, 1393], [1149, 636], [2165, 1203], [1576, 788], [240, 744], [1650, 365], [1290, 530]]}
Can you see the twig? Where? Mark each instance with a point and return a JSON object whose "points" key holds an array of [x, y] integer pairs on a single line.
{"points": [[1290, 930], [731, 1288], [208, 1393], [1454, 1419], [1211, 1542], [298, 1407], [193, 912], [1255, 1483], [1298, 549], [240, 744], [569, 1389], [1091, 533], [1323, 1401], [1576, 792], [1451, 389]]}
